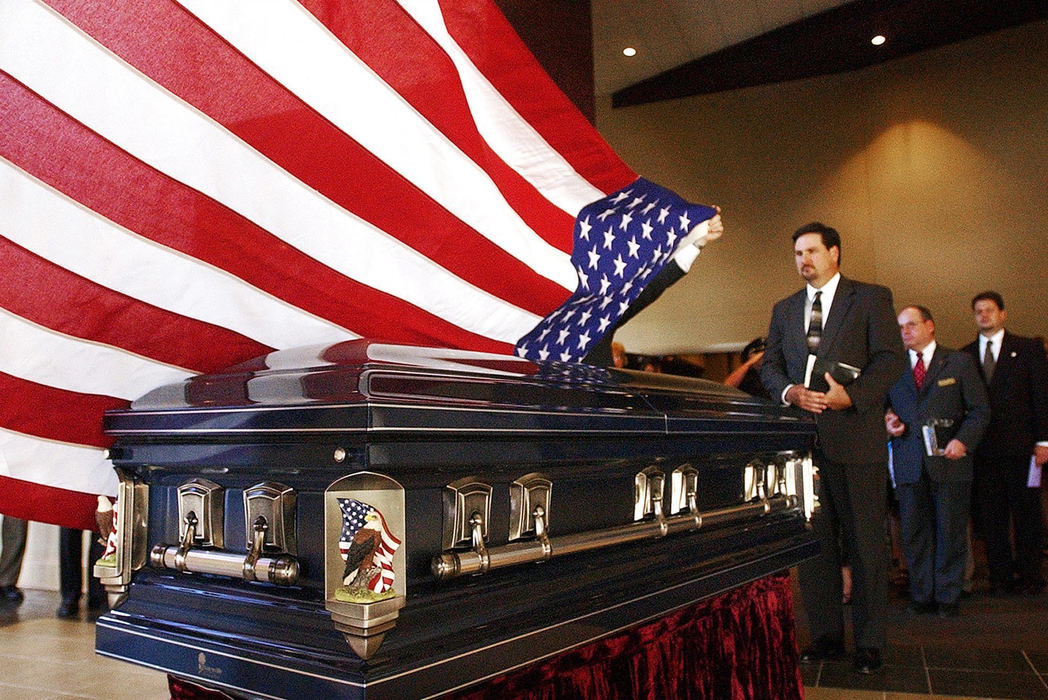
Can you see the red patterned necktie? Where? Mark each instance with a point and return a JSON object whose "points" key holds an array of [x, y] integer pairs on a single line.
{"points": [[919, 372]]}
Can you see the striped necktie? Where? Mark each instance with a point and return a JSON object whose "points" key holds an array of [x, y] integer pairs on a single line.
{"points": [[815, 324]]}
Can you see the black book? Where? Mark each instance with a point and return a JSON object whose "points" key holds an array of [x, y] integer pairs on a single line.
{"points": [[818, 366]]}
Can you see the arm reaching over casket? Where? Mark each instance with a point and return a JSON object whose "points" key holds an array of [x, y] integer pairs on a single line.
{"points": [[628, 248]]}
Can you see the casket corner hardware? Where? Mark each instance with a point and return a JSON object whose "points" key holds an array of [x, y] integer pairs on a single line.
{"points": [[126, 546], [364, 514]]}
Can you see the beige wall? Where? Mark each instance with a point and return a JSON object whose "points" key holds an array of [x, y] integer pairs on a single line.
{"points": [[934, 168]]}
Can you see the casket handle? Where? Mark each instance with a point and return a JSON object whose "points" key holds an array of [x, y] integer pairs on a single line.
{"points": [[482, 559], [775, 485], [259, 528], [280, 569], [187, 541], [476, 521]]}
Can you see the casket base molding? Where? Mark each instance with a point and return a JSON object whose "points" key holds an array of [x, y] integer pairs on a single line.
{"points": [[427, 666]]}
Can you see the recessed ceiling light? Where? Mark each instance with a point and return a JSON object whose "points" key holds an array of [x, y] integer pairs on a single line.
{"points": [[629, 51], [878, 40]]}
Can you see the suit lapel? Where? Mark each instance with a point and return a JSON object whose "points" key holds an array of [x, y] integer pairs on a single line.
{"points": [[795, 322], [1004, 357], [842, 302], [934, 368]]}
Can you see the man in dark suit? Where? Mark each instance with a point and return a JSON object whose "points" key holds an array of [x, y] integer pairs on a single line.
{"points": [[851, 451], [1016, 373], [941, 396]]}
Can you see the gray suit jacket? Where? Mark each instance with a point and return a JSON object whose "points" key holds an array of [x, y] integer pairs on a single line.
{"points": [[860, 330], [952, 389]]}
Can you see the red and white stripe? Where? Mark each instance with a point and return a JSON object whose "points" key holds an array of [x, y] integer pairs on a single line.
{"points": [[383, 581], [187, 185]]}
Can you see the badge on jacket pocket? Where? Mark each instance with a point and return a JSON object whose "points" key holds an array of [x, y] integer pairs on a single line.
{"points": [[947, 382]]}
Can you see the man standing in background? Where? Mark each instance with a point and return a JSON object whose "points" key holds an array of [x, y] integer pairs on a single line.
{"points": [[941, 395], [846, 328], [1007, 464]]}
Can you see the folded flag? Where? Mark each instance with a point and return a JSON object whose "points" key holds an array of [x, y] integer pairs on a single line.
{"points": [[621, 242]]}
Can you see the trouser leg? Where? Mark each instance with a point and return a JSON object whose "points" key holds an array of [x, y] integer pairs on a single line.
{"points": [[12, 539], [866, 486], [994, 517], [918, 537], [820, 577], [1026, 515], [70, 562], [952, 501]]}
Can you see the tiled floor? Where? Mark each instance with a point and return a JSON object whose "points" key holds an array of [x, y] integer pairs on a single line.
{"points": [[42, 658], [997, 649], [942, 671]]}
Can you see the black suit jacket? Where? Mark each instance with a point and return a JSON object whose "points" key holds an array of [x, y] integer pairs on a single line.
{"points": [[860, 330], [1018, 398], [952, 390]]}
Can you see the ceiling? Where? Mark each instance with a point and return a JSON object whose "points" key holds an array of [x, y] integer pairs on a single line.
{"points": [[669, 33], [688, 47]]}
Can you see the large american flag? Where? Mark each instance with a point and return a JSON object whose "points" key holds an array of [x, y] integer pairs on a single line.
{"points": [[186, 185]]}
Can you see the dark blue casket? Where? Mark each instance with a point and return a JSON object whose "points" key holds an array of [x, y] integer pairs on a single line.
{"points": [[386, 521]]}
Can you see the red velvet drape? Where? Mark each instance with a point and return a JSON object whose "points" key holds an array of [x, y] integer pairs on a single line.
{"points": [[739, 645]]}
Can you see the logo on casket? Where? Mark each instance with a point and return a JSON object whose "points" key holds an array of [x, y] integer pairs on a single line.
{"points": [[367, 546], [204, 670]]}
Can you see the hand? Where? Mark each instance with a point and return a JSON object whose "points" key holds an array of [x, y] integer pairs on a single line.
{"points": [[955, 449], [704, 232], [754, 359], [715, 228], [837, 398], [814, 401], [1040, 454], [894, 426]]}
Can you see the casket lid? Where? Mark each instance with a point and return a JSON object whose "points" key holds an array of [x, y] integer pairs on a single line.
{"points": [[379, 386]]}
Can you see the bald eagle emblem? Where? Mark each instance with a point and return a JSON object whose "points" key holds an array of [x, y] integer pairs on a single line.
{"points": [[367, 546]]}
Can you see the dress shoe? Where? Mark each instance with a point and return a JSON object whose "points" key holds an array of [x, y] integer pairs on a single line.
{"points": [[867, 659], [948, 610], [11, 594], [70, 607], [920, 608], [823, 649]]}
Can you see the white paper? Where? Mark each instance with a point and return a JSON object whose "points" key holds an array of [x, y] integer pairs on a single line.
{"points": [[1033, 481], [807, 371]]}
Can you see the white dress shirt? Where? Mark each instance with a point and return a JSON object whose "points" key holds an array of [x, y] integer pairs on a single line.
{"points": [[997, 339], [927, 353], [829, 290]]}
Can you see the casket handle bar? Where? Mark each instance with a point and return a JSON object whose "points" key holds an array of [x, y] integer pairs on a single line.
{"points": [[269, 510], [481, 560], [769, 489], [280, 569]]}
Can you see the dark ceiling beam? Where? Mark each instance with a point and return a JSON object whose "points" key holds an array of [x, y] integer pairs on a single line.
{"points": [[834, 41]]}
